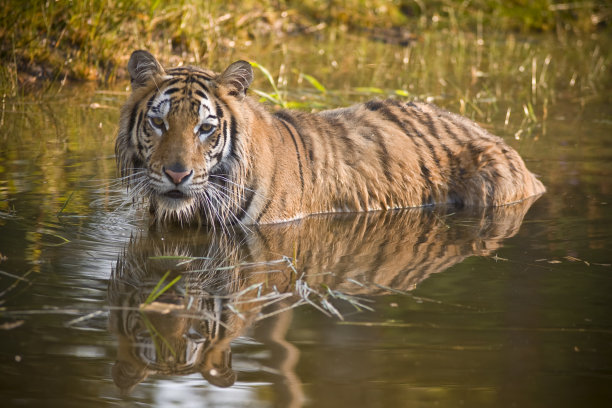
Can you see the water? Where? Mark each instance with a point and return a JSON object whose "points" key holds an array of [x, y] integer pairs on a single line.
{"points": [[498, 307]]}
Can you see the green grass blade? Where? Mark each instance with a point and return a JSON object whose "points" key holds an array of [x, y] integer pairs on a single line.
{"points": [[165, 288], [65, 203], [369, 90], [313, 81], [275, 97], [159, 283], [269, 97], [266, 74]]}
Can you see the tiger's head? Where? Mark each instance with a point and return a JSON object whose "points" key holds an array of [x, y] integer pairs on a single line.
{"points": [[179, 140]]}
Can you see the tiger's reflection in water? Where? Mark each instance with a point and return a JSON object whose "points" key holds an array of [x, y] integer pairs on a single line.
{"points": [[230, 283]]}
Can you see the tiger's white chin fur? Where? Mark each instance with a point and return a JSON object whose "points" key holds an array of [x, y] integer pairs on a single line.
{"points": [[175, 211], [181, 207]]}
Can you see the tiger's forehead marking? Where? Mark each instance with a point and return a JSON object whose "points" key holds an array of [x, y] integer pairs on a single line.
{"points": [[187, 88], [160, 106]]}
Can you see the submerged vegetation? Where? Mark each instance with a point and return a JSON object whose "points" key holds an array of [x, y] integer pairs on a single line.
{"points": [[92, 39]]}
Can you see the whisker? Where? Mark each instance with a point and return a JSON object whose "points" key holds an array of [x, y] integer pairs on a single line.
{"points": [[227, 202]]}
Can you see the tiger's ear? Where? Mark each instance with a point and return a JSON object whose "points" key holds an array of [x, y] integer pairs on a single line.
{"points": [[237, 78], [142, 67]]}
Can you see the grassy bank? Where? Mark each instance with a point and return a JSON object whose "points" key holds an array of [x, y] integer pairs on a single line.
{"points": [[92, 39]]}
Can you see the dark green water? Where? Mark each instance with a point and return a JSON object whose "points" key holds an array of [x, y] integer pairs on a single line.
{"points": [[503, 307]]}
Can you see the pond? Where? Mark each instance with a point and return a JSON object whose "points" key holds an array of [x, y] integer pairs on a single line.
{"points": [[489, 307]]}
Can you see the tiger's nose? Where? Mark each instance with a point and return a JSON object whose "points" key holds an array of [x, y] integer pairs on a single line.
{"points": [[177, 174]]}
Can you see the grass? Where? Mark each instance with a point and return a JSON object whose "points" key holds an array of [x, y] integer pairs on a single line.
{"points": [[158, 290], [500, 79], [92, 39]]}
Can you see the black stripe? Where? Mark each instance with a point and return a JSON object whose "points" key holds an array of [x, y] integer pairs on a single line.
{"points": [[131, 123], [297, 153], [344, 136], [433, 131], [425, 172], [201, 94], [427, 120], [286, 116], [174, 81], [426, 198], [465, 130], [222, 138], [140, 147], [427, 248], [266, 207], [264, 210], [374, 105], [201, 83], [202, 75], [219, 110], [391, 117], [451, 133], [431, 126], [383, 155], [447, 150], [150, 101], [513, 168], [179, 71], [223, 133], [247, 199], [137, 163], [172, 90], [232, 139], [432, 150], [138, 124]]}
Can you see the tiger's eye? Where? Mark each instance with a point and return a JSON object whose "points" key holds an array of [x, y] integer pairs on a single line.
{"points": [[157, 122], [206, 128]]}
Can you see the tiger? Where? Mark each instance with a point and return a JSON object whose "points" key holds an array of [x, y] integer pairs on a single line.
{"points": [[196, 147]]}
